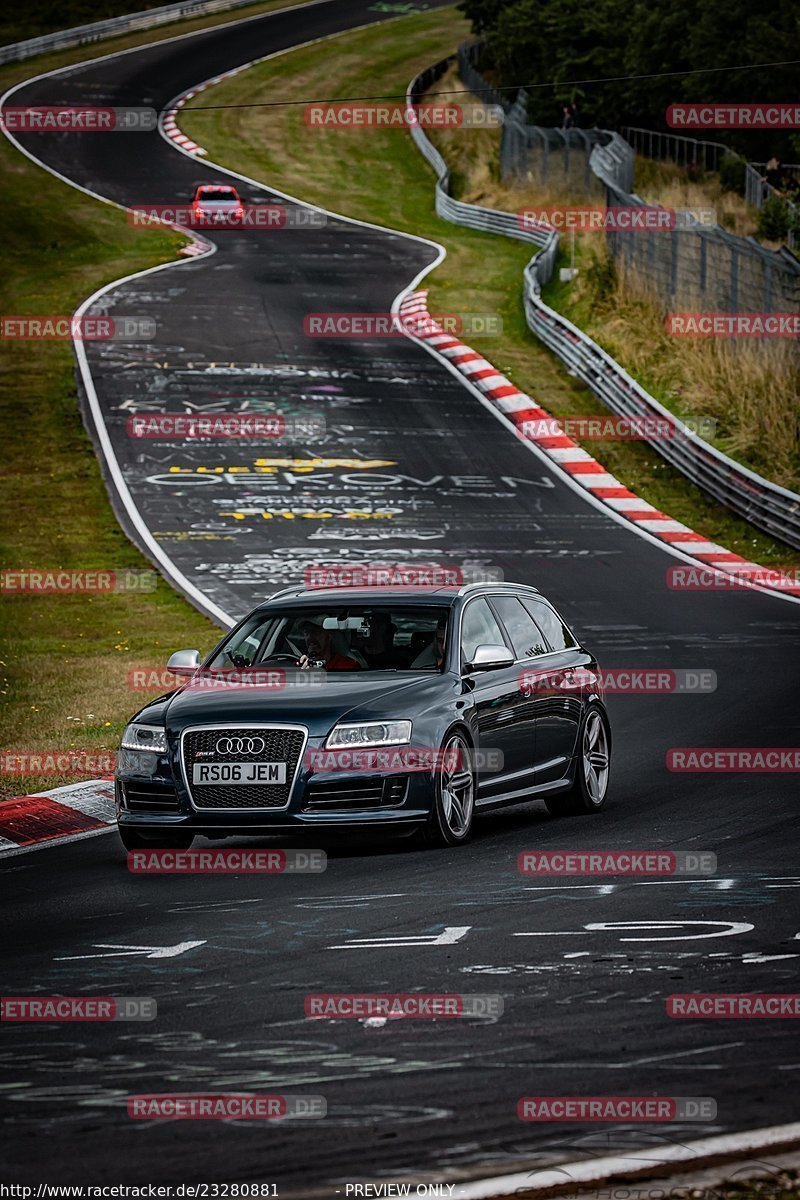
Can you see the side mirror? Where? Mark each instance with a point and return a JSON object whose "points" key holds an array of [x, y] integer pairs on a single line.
{"points": [[491, 658], [184, 662]]}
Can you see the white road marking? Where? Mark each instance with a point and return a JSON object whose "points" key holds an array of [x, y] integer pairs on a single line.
{"points": [[602, 889], [123, 951], [733, 928], [450, 935], [762, 958], [726, 929]]}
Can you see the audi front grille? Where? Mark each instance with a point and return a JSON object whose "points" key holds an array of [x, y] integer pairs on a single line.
{"points": [[242, 744]]}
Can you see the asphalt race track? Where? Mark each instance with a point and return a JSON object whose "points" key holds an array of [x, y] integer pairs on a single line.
{"points": [[584, 968]]}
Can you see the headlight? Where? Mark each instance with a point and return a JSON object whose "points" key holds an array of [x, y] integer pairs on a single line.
{"points": [[376, 733], [145, 737]]}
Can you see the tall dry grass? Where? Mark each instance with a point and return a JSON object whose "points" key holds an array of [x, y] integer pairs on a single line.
{"points": [[668, 184], [749, 387]]}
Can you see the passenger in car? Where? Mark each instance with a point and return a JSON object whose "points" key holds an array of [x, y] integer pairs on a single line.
{"points": [[433, 654], [319, 648], [378, 648]]}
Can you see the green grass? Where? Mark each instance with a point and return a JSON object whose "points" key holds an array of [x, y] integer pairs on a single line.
{"points": [[380, 176], [65, 658]]}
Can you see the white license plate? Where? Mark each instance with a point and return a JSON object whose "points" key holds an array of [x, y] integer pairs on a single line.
{"points": [[239, 773]]}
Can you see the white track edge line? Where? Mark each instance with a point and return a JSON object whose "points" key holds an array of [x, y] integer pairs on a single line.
{"points": [[599, 1169], [45, 843]]}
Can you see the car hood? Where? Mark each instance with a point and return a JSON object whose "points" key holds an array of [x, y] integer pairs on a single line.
{"points": [[318, 705]]}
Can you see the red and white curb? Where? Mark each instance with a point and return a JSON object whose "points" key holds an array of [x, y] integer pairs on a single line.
{"points": [[170, 128], [169, 121], [64, 814], [568, 456]]}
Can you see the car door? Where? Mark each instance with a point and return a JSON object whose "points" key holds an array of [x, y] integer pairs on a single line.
{"points": [[529, 645], [555, 692], [494, 693]]}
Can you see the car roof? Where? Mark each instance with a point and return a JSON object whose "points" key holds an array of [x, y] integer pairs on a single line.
{"points": [[446, 594]]}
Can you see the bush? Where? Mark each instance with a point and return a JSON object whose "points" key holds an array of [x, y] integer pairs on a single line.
{"points": [[773, 220], [732, 173]]}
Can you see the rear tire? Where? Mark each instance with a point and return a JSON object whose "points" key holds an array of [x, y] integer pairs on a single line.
{"points": [[588, 792], [176, 839], [454, 793]]}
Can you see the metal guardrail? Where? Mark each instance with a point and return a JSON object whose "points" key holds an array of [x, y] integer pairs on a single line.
{"points": [[82, 35], [771, 508], [686, 152]]}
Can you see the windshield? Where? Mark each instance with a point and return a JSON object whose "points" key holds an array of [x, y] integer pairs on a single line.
{"points": [[218, 198], [396, 637]]}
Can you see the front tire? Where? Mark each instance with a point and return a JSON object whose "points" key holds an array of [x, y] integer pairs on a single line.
{"points": [[588, 792], [177, 839], [454, 793]]}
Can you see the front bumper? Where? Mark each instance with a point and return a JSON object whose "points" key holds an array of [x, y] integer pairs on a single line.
{"points": [[332, 799]]}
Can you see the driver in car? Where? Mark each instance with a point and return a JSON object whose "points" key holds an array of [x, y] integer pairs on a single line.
{"points": [[319, 649]]}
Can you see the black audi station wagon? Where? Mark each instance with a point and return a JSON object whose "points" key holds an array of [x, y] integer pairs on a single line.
{"points": [[355, 708]]}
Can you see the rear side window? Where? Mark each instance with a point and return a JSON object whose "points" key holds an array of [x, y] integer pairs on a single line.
{"points": [[526, 636], [548, 620], [479, 628]]}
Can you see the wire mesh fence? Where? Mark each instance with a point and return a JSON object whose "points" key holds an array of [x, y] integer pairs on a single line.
{"points": [[672, 147], [699, 267]]}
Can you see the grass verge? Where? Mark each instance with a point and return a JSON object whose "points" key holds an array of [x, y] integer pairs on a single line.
{"points": [[64, 659]]}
